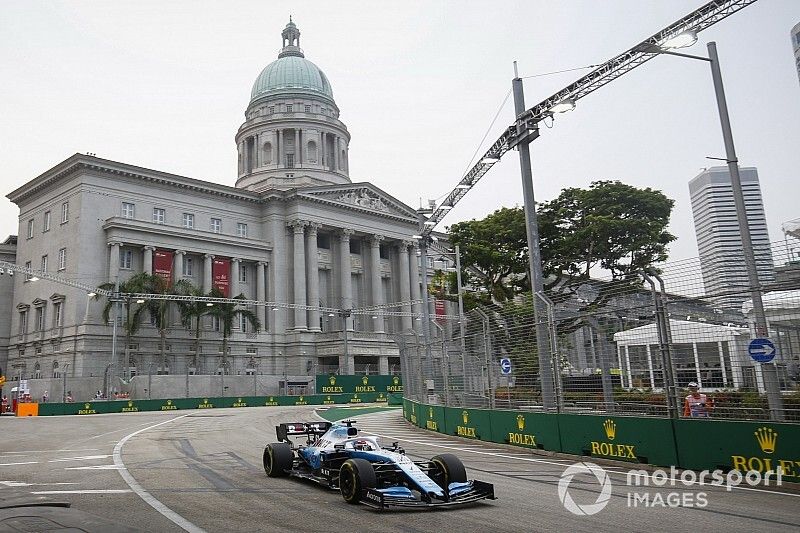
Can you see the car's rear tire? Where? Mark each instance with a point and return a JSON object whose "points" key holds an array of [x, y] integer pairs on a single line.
{"points": [[278, 458], [447, 468], [355, 476]]}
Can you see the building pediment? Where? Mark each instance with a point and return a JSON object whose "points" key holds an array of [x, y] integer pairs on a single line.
{"points": [[362, 197]]}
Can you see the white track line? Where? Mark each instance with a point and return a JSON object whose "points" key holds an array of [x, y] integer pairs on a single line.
{"points": [[24, 463], [88, 491], [143, 494]]}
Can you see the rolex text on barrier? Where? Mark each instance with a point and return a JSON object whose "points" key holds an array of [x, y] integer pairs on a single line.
{"points": [[741, 446], [336, 384]]}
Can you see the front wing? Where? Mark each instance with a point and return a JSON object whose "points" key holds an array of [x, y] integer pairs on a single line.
{"points": [[470, 492]]}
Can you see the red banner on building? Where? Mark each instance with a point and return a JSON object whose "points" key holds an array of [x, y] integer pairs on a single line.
{"points": [[162, 265], [439, 308], [221, 276]]}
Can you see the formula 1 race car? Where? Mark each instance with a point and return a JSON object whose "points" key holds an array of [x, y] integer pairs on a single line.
{"points": [[336, 456]]}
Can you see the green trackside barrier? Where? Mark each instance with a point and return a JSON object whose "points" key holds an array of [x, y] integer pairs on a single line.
{"points": [[410, 410], [50, 409], [529, 430], [336, 384], [176, 404], [469, 423], [624, 438], [434, 418], [395, 398], [705, 444]]}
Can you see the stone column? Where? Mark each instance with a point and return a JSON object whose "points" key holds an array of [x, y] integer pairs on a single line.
{"points": [[177, 275], [322, 159], [261, 294], [296, 147], [207, 272], [345, 273], [405, 286], [300, 147], [375, 278], [235, 261], [147, 260], [278, 147], [299, 273], [336, 153], [257, 148], [312, 273], [415, 292], [274, 154], [113, 262], [177, 265]]}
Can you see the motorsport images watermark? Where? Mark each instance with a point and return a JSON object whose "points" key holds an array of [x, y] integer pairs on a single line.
{"points": [[637, 481]]}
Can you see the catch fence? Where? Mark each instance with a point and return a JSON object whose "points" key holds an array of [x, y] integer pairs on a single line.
{"points": [[631, 345]]}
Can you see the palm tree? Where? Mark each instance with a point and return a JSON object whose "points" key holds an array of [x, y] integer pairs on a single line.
{"points": [[227, 313], [160, 311], [192, 310], [139, 283]]}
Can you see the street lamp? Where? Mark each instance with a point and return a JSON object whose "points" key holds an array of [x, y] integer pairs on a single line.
{"points": [[64, 387], [768, 369]]}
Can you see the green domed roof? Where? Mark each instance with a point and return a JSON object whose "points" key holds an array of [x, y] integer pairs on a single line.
{"points": [[291, 72]]}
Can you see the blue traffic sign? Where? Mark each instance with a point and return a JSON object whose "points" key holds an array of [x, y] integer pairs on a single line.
{"points": [[505, 365], [762, 350]]}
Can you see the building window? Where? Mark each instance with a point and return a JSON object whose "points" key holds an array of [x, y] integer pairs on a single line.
{"points": [[128, 210], [241, 229], [243, 323], [188, 220], [271, 109], [46, 226], [28, 266], [44, 263], [30, 229], [62, 259], [126, 259], [188, 267], [289, 108], [57, 307], [23, 323], [308, 109], [40, 319], [159, 215], [289, 160], [215, 324], [65, 212], [216, 225], [243, 274]]}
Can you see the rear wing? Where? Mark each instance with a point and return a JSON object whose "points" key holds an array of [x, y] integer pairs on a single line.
{"points": [[309, 429]]}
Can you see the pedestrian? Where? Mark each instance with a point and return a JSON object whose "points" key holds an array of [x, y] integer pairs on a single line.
{"points": [[45, 397], [4, 405], [697, 404], [69, 397]]}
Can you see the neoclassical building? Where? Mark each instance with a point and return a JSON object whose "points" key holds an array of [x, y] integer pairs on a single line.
{"points": [[294, 231]]}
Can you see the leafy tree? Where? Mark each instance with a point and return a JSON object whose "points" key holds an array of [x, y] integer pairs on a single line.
{"points": [[227, 313], [160, 311], [496, 247], [616, 227], [192, 310], [611, 226], [137, 284]]}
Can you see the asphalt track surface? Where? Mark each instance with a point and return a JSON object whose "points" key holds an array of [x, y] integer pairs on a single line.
{"points": [[201, 471]]}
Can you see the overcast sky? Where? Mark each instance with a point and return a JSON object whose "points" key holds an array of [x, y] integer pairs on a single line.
{"points": [[164, 85]]}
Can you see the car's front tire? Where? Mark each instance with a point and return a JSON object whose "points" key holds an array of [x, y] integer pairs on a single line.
{"points": [[355, 476], [278, 458], [447, 468]]}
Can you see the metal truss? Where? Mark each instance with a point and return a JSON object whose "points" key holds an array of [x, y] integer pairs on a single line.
{"points": [[527, 123]]}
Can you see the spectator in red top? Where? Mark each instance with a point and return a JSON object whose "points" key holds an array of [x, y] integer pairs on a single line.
{"points": [[697, 404]]}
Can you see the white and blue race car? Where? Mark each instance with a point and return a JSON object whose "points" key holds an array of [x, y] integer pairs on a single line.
{"points": [[336, 456]]}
